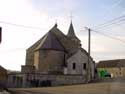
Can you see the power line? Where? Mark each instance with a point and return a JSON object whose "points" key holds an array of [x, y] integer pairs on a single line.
{"points": [[118, 23], [24, 26], [116, 3], [109, 36], [112, 6], [115, 20]]}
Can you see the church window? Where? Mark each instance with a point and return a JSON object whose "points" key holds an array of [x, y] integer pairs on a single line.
{"points": [[84, 66], [74, 66]]}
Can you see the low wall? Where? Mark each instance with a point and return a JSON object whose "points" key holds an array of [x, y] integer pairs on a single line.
{"points": [[58, 79], [39, 80]]}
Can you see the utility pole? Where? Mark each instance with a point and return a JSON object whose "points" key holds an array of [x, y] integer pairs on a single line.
{"points": [[89, 42], [89, 50]]}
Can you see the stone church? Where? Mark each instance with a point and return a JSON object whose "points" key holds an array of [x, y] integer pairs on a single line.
{"points": [[56, 59]]}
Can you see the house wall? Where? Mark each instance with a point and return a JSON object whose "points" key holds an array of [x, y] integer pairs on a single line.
{"points": [[123, 71], [80, 58], [115, 72]]}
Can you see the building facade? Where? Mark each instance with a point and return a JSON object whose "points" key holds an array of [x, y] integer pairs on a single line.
{"points": [[116, 68], [58, 56]]}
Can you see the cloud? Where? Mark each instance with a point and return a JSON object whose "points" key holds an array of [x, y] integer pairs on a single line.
{"points": [[43, 14], [103, 47], [15, 40]]}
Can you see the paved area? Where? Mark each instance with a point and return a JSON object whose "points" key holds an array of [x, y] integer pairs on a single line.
{"points": [[4, 92], [93, 88]]}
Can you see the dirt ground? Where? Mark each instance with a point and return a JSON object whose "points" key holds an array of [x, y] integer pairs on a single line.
{"points": [[92, 88]]}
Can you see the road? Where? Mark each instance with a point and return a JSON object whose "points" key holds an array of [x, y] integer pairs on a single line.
{"points": [[93, 88]]}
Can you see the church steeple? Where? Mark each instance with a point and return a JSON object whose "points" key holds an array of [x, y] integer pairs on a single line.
{"points": [[71, 32]]}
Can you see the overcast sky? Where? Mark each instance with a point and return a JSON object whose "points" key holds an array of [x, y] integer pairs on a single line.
{"points": [[43, 14]]}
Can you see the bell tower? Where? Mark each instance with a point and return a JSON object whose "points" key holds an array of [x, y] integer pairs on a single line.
{"points": [[71, 34]]}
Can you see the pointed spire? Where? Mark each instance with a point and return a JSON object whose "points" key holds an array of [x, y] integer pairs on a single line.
{"points": [[71, 32], [55, 23]]}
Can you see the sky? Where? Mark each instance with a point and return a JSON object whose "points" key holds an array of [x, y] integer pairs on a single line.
{"points": [[24, 22]]}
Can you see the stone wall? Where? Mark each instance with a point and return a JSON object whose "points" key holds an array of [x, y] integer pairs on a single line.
{"points": [[41, 80], [58, 79], [15, 80], [27, 69], [29, 57], [50, 61]]}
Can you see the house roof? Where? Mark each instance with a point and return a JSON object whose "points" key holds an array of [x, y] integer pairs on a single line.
{"points": [[111, 63]]}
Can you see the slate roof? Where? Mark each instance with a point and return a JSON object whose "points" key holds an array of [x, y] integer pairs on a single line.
{"points": [[65, 41], [111, 63], [54, 38], [71, 33], [50, 42]]}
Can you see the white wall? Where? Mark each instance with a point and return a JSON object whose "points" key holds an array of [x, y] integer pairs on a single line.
{"points": [[80, 58]]}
